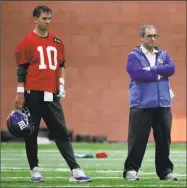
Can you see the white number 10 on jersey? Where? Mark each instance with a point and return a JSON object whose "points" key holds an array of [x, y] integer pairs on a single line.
{"points": [[52, 62]]}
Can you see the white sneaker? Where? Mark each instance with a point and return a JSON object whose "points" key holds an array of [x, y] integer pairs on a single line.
{"points": [[132, 175], [171, 177], [36, 176], [77, 175]]}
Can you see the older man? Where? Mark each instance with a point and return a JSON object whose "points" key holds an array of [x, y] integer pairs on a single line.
{"points": [[149, 69]]}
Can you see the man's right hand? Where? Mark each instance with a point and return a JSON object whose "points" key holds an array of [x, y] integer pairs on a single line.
{"points": [[20, 100]]}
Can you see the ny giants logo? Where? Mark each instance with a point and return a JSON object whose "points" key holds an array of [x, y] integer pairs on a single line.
{"points": [[22, 125]]}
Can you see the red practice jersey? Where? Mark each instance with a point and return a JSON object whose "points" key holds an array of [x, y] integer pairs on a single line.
{"points": [[44, 55]]}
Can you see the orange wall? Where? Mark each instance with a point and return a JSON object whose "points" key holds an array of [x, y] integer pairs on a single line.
{"points": [[98, 37]]}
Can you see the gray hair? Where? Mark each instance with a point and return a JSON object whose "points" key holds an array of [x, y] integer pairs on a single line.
{"points": [[144, 27]]}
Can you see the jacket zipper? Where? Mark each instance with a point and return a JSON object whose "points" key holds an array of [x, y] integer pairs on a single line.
{"points": [[150, 65], [157, 83]]}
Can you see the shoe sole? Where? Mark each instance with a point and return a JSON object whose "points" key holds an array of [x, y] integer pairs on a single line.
{"points": [[83, 181], [37, 180], [132, 179], [175, 179]]}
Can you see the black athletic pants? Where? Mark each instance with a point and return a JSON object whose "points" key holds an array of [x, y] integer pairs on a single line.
{"points": [[53, 115], [140, 123]]}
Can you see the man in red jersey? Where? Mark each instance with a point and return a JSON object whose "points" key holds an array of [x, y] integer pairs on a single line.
{"points": [[40, 73]]}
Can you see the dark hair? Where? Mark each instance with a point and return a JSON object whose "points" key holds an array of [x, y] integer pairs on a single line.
{"points": [[37, 11], [144, 27]]}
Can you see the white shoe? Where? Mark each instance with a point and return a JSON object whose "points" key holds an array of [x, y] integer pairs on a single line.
{"points": [[35, 175], [77, 175], [171, 177], [132, 175]]}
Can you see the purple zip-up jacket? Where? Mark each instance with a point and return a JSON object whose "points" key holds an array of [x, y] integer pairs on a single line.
{"points": [[145, 89]]}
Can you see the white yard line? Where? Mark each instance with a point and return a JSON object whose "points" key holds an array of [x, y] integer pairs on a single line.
{"points": [[123, 185], [61, 177], [4, 169]]}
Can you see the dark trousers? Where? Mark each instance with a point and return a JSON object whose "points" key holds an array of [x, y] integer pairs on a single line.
{"points": [[140, 123], [53, 116]]}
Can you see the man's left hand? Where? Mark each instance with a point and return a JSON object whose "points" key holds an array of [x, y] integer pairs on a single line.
{"points": [[147, 68], [62, 92]]}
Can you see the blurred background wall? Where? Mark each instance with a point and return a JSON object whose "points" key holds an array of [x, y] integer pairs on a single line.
{"points": [[98, 37]]}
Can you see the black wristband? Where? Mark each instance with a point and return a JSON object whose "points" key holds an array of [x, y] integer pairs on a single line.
{"points": [[62, 64], [22, 72]]}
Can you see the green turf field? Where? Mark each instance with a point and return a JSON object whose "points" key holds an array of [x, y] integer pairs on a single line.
{"points": [[105, 172]]}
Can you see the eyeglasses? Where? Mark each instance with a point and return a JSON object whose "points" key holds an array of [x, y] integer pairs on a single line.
{"points": [[151, 36]]}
